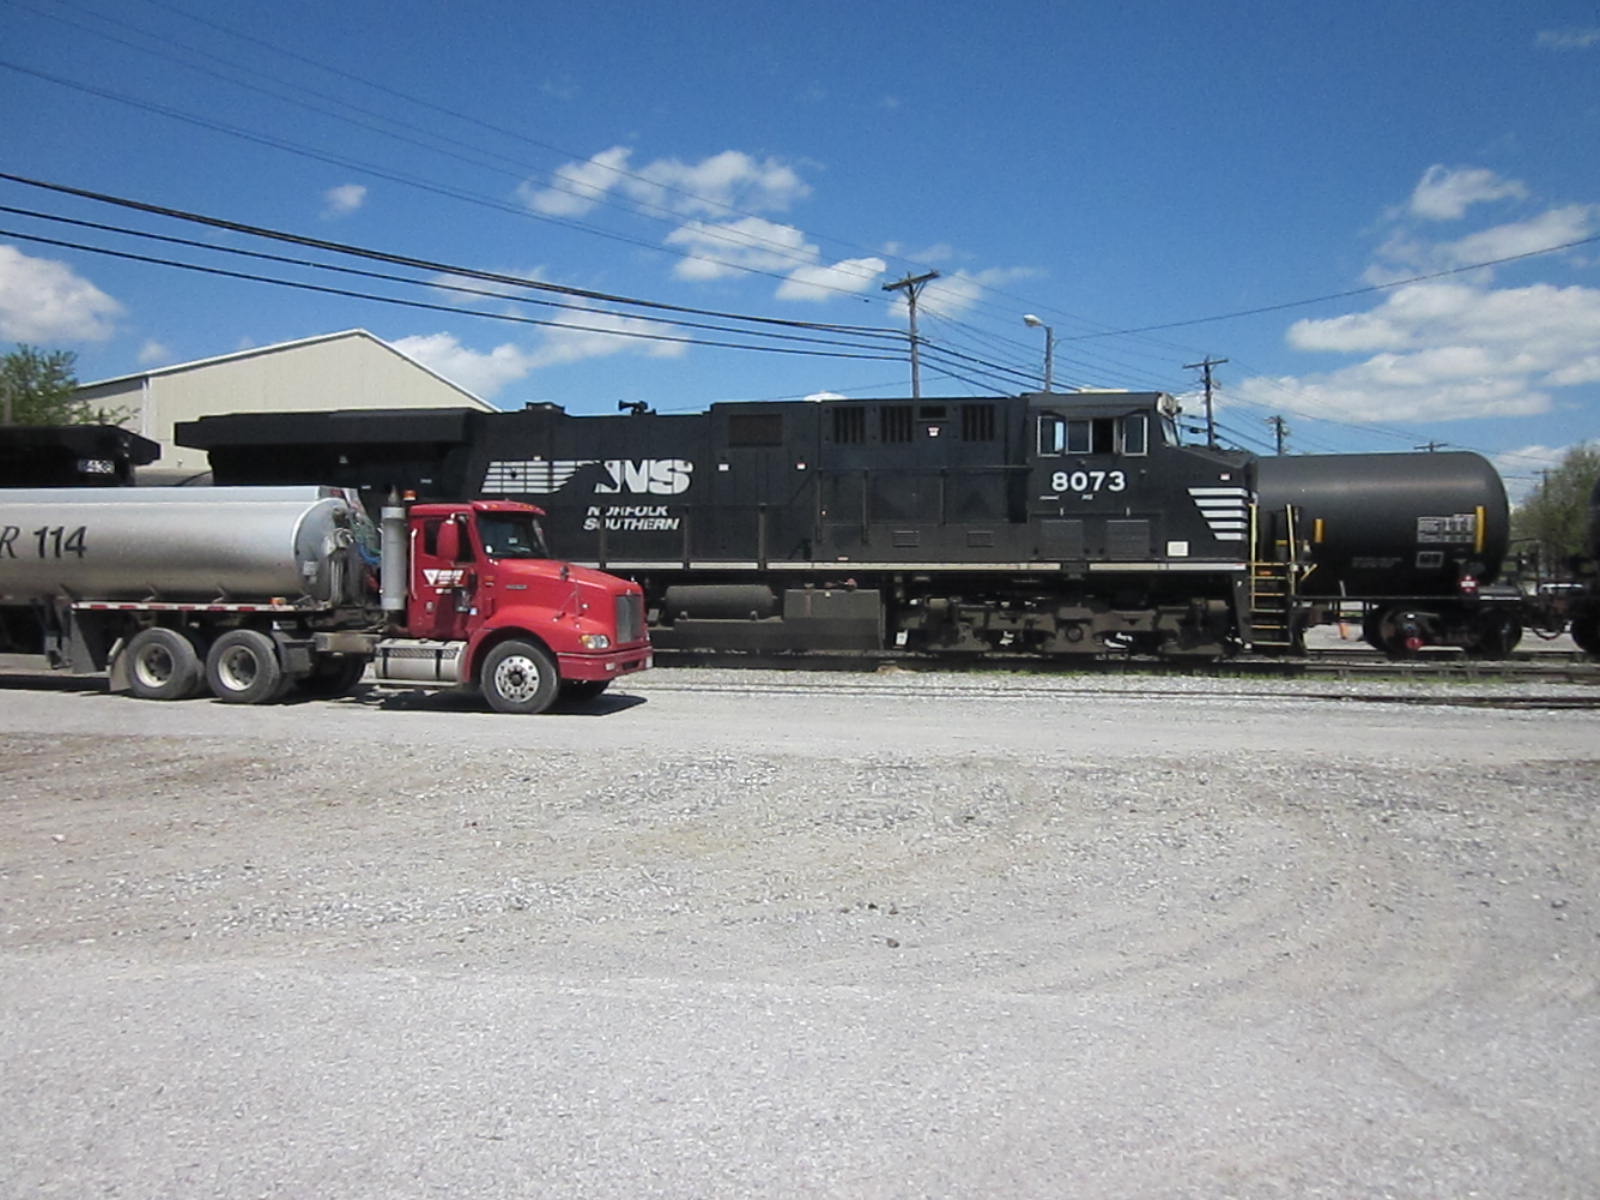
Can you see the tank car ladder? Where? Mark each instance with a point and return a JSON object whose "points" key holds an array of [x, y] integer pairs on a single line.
{"points": [[1274, 576]]}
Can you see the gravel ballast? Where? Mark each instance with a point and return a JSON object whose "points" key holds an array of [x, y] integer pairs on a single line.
{"points": [[758, 933]]}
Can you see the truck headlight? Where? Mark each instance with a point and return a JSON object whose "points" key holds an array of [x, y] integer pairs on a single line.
{"points": [[595, 641]]}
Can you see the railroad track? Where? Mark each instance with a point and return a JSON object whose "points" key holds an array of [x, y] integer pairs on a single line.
{"points": [[1344, 663]]}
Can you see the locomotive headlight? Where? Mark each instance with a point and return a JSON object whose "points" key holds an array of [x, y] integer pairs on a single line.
{"points": [[595, 641]]}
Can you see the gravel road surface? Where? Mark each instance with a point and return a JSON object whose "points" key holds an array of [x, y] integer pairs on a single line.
{"points": [[759, 934]]}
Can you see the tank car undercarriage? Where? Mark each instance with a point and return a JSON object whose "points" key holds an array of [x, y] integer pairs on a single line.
{"points": [[1401, 627]]}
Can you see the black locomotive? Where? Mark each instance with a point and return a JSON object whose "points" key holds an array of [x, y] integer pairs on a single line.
{"points": [[1049, 523]]}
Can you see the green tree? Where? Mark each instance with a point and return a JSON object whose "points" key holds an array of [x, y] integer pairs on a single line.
{"points": [[36, 388], [1556, 514]]}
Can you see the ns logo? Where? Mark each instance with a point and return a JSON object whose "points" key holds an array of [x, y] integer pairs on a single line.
{"points": [[609, 476], [646, 476]]}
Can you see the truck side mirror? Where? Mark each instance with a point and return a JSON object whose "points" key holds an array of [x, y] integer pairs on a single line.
{"points": [[450, 540]]}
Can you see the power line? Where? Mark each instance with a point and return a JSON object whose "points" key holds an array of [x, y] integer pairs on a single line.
{"points": [[332, 291], [422, 263]]}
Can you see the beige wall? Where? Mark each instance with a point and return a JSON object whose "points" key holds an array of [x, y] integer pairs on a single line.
{"points": [[345, 372]]}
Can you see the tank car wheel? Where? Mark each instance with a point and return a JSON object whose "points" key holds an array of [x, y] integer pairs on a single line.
{"points": [[581, 691], [1585, 629], [1496, 637], [519, 677], [334, 675], [243, 668], [163, 664], [1401, 633]]}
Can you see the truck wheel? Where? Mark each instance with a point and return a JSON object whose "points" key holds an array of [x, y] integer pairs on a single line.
{"points": [[163, 664], [519, 677], [334, 675], [243, 668]]}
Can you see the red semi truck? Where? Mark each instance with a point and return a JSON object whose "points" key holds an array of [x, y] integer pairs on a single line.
{"points": [[250, 593]]}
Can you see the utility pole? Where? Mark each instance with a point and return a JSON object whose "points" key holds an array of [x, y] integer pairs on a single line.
{"points": [[913, 285], [1280, 428], [1205, 365], [1430, 447]]}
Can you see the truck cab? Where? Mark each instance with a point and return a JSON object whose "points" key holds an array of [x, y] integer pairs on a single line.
{"points": [[491, 605]]}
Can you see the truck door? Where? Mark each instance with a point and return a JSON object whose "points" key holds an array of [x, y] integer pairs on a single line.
{"points": [[444, 578]]}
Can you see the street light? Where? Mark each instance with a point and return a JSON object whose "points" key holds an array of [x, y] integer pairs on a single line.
{"points": [[1033, 322]]}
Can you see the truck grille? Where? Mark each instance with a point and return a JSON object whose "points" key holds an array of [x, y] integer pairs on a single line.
{"points": [[630, 618]]}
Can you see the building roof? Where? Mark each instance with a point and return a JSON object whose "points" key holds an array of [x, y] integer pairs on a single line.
{"points": [[175, 368]]}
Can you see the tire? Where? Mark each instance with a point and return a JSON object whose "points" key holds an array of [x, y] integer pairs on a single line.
{"points": [[519, 677], [243, 668], [582, 691], [334, 675], [163, 664]]}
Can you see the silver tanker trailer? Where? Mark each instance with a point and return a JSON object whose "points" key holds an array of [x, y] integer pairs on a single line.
{"points": [[251, 592]]}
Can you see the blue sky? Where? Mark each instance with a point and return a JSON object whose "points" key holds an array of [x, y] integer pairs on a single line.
{"points": [[1126, 172]]}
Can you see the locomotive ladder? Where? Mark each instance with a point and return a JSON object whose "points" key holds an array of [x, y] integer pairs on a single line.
{"points": [[1274, 563]]}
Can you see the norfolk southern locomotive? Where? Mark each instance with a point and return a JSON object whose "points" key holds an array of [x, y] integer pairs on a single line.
{"points": [[1048, 523]]}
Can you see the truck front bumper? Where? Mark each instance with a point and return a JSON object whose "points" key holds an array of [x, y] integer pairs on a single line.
{"points": [[610, 665]]}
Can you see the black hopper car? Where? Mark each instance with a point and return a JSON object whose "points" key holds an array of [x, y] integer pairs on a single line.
{"points": [[1049, 523]]}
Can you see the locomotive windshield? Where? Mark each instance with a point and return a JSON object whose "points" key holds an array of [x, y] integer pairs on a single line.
{"points": [[511, 535]]}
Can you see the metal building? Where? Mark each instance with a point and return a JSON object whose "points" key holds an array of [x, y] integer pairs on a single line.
{"points": [[349, 370]]}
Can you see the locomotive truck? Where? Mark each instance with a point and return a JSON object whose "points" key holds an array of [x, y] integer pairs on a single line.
{"points": [[1050, 523], [253, 592]]}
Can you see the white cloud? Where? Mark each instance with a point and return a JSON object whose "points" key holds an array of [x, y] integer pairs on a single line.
{"points": [[578, 187], [714, 185], [1568, 39], [480, 373], [1444, 351], [826, 396], [1445, 194], [953, 294], [42, 300], [153, 353], [820, 282], [714, 250], [486, 373], [343, 200], [599, 338], [1557, 227]]}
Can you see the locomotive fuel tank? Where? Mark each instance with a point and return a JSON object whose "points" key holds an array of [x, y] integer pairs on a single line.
{"points": [[178, 544], [1391, 524]]}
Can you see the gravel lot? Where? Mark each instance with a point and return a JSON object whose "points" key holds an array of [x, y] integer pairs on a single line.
{"points": [[733, 934]]}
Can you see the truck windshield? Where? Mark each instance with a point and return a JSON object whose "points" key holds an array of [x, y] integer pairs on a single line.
{"points": [[511, 535]]}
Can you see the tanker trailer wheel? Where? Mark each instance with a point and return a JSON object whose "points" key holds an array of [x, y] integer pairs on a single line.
{"points": [[519, 677], [243, 668], [163, 664]]}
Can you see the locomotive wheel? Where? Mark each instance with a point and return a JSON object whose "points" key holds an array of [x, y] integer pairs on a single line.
{"points": [[163, 664], [334, 675], [519, 677], [243, 668], [581, 691]]}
